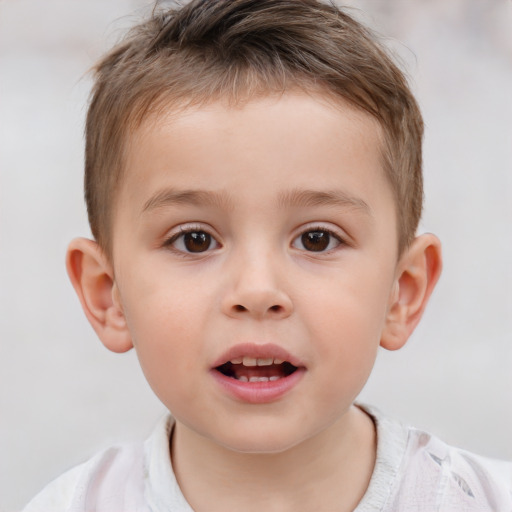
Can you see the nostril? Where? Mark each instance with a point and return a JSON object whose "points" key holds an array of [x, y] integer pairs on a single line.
{"points": [[258, 308], [276, 308]]}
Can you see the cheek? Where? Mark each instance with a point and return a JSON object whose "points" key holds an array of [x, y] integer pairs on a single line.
{"points": [[346, 319], [349, 308], [347, 340], [166, 327]]}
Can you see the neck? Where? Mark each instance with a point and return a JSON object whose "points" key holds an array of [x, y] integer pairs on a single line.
{"points": [[330, 471]]}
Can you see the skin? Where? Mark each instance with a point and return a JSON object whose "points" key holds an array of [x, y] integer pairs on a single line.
{"points": [[253, 180]]}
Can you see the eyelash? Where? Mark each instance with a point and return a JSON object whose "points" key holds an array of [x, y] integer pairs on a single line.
{"points": [[181, 234], [171, 242], [320, 229]]}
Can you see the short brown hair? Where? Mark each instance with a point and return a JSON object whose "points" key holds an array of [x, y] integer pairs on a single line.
{"points": [[237, 50]]}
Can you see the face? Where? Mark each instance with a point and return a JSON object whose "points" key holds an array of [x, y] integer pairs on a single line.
{"points": [[254, 258]]}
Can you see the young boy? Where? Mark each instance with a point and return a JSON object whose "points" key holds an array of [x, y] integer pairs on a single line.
{"points": [[253, 183]]}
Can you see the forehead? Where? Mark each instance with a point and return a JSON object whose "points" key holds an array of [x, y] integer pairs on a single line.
{"points": [[305, 140]]}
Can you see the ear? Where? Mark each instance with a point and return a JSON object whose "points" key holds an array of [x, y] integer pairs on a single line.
{"points": [[92, 277], [418, 270]]}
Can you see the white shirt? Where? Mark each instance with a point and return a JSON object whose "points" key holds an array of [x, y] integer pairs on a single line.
{"points": [[414, 472]]}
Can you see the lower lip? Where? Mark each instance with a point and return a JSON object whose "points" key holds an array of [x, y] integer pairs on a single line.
{"points": [[259, 392]]}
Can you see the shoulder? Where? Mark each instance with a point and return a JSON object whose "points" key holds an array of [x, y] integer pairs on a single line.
{"points": [[132, 478], [111, 480], [417, 471], [455, 476]]}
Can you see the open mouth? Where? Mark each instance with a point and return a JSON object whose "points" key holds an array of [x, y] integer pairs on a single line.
{"points": [[249, 369]]}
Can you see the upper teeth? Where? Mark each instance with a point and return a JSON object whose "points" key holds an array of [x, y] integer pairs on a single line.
{"points": [[256, 361]]}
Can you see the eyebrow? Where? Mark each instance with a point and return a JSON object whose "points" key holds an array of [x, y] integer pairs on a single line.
{"points": [[172, 197], [333, 198], [293, 198]]}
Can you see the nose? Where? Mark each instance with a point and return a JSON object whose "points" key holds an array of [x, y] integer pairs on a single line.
{"points": [[256, 289]]}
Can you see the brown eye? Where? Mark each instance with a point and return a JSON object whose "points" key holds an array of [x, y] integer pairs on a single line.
{"points": [[315, 240], [193, 242], [197, 241]]}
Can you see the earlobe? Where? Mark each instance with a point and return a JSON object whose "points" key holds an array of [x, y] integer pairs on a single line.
{"points": [[418, 271], [92, 277]]}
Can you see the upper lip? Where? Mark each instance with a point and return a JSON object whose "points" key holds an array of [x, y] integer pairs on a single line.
{"points": [[257, 351]]}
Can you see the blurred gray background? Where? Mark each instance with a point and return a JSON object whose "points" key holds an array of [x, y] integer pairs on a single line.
{"points": [[63, 396]]}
